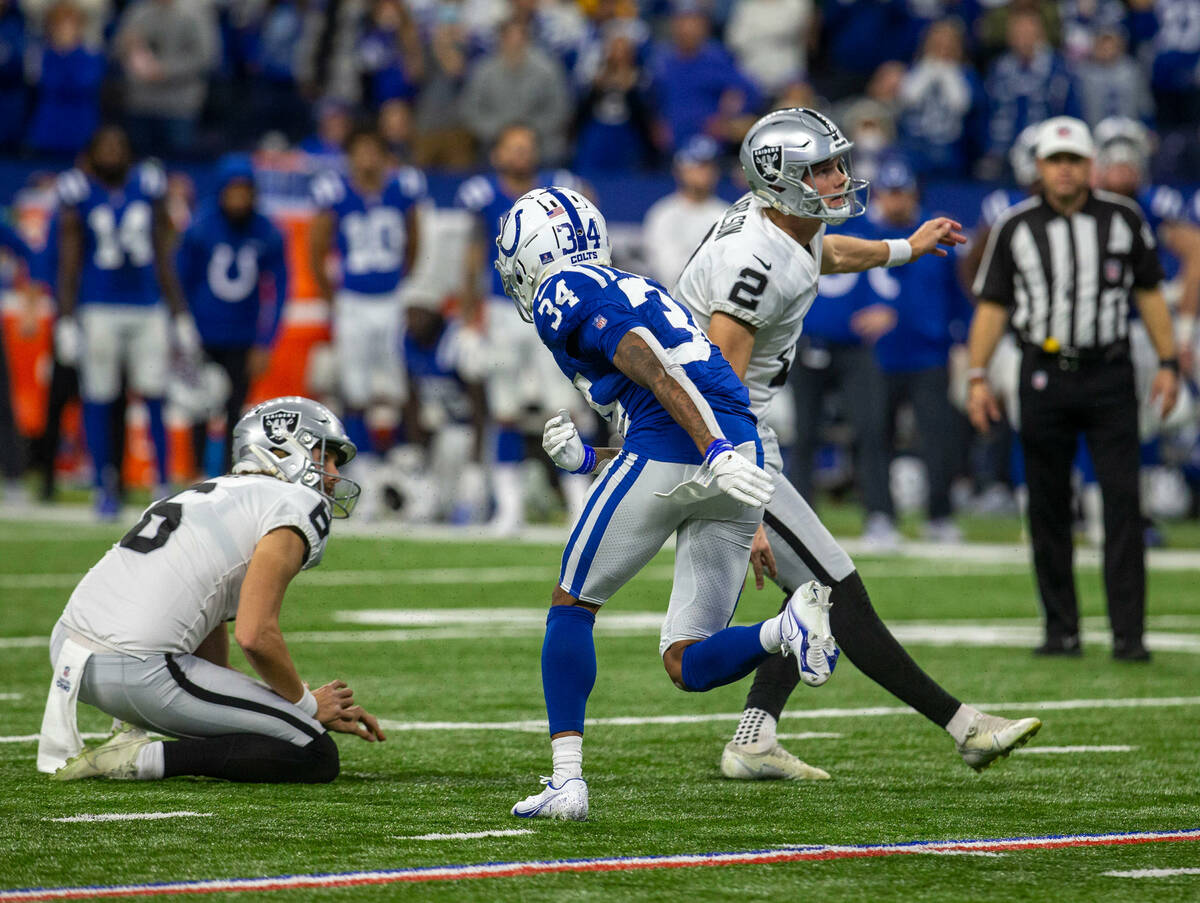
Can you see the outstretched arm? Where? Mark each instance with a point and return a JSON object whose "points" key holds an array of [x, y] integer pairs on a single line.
{"points": [[847, 254]]}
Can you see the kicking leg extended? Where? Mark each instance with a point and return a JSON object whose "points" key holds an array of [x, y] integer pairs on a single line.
{"points": [[804, 549]]}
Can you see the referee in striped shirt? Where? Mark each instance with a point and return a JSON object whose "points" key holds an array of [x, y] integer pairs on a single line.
{"points": [[1061, 269]]}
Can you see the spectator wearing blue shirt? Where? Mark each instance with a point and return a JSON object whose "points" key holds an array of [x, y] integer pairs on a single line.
{"points": [[858, 36], [614, 120], [1030, 83], [13, 93], [914, 353], [1172, 29], [68, 103], [389, 54], [941, 104], [269, 40], [334, 124], [699, 90], [233, 272]]}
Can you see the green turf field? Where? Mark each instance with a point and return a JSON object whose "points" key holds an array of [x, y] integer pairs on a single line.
{"points": [[655, 788]]}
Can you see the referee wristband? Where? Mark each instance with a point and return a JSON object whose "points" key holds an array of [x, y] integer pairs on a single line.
{"points": [[308, 703], [899, 251], [1169, 363]]}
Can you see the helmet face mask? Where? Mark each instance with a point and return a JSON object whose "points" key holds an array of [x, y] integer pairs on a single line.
{"points": [[290, 438], [779, 155], [545, 230]]}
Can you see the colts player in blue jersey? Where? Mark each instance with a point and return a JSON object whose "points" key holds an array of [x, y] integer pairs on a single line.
{"points": [[372, 217], [691, 465], [233, 271], [115, 268], [516, 371]]}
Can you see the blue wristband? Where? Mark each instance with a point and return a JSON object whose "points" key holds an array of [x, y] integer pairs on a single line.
{"points": [[589, 460], [718, 446]]}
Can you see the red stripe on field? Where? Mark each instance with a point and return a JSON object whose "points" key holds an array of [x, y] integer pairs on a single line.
{"points": [[525, 869]]}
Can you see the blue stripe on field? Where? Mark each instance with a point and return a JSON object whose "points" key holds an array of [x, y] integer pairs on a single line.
{"points": [[597, 534], [593, 496]]}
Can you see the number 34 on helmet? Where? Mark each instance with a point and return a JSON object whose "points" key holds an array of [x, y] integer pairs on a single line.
{"points": [[545, 230]]}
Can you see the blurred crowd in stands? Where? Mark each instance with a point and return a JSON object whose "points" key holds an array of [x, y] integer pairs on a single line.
{"points": [[610, 85]]}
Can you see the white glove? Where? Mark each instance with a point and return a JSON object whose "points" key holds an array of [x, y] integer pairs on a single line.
{"points": [[187, 337], [68, 341], [738, 478], [561, 441]]}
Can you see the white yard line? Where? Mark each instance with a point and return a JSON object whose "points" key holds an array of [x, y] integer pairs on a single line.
{"points": [[10, 697], [810, 735], [33, 738], [131, 816], [1153, 873], [467, 835], [1067, 750], [538, 725]]}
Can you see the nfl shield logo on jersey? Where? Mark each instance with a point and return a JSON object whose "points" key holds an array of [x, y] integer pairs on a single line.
{"points": [[767, 161], [278, 424], [1113, 270]]}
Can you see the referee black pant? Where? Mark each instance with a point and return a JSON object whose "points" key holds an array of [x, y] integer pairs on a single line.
{"points": [[1094, 397]]}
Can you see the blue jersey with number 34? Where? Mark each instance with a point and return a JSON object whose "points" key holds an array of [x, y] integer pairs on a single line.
{"points": [[582, 313]]}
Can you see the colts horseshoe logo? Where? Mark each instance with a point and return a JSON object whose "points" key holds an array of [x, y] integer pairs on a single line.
{"points": [[509, 251]]}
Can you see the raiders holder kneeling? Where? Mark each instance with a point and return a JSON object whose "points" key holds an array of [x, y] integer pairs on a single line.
{"points": [[144, 637]]}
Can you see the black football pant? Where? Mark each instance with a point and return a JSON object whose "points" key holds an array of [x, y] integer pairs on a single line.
{"points": [[1097, 399]]}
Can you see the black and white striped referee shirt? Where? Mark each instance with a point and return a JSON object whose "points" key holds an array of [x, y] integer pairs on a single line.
{"points": [[1069, 278]]}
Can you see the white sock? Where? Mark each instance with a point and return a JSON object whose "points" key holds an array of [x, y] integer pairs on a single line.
{"points": [[510, 493], [958, 724], [575, 487], [770, 633], [568, 759], [150, 763], [756, 730]]}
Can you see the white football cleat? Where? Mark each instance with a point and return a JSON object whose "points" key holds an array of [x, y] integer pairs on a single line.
{"points": [[990, 737], [116, 758], [568, 802], [806, 633], [775, 764]]}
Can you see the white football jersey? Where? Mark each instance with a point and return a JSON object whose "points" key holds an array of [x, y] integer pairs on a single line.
{"points": [[178, 572], [749, 268]]}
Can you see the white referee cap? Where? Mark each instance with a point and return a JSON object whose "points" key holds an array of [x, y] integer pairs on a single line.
{"points": [[1065, 135]]}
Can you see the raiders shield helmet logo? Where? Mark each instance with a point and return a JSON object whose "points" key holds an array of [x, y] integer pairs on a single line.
{"points": [[279, 424], [767, 161]]}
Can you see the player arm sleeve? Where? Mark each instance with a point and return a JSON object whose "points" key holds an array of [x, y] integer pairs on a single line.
{"points": [[994, 280], [1147, 268], [304, 513], [741, 292]]}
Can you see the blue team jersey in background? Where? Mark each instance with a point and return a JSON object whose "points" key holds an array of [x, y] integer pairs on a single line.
{"points": [[118, 235], [582, 313], [372, 235], [224, 271], [485, 197], [434, 369]]}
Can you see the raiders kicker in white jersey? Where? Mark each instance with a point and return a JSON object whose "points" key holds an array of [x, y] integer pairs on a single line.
{"points": [[760, 266]]}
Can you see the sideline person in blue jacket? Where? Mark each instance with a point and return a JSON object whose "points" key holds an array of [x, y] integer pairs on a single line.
{"points": [[233, 272]]}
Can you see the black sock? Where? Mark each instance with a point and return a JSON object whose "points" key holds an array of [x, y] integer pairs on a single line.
{"points": [[868, 643], [252, 758], [773, 682]]}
